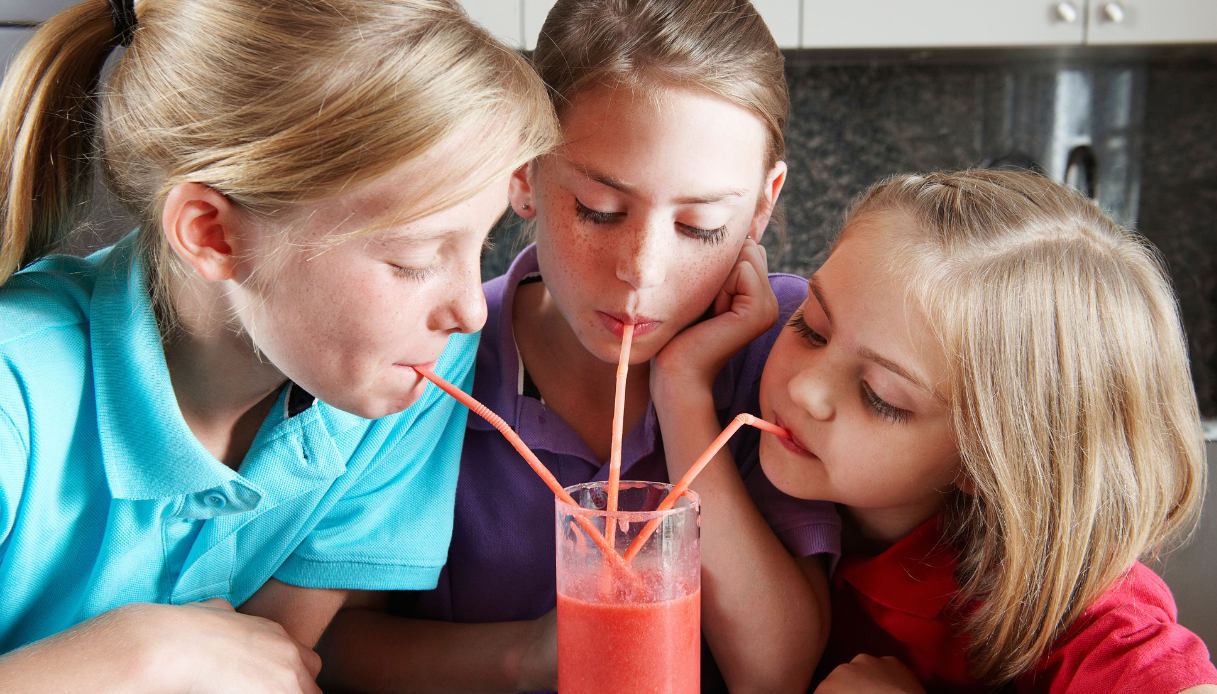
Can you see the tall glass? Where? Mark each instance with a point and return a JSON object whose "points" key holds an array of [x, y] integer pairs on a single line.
{"points": [[637, 630]]}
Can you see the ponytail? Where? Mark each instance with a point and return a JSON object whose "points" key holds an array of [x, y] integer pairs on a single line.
{"points": [[48, 114]]}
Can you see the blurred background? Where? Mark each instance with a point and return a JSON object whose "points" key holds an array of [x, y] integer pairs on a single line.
{"points": [[1117, 98]]}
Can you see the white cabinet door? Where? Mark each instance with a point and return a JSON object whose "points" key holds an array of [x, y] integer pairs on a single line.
{"points": [[11, 41], [942, 23], [1152, 21], [782, 17], [500, 17], [31, 11]]}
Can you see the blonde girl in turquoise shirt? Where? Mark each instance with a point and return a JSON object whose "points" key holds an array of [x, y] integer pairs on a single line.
{"points": [[219, 410]]}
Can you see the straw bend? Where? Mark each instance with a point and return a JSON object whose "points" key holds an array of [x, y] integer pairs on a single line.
{"points": [[695, 469], [533, 462]]}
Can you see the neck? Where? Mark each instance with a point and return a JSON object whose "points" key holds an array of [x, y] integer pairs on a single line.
{"points": [[223, 388], [876, 529], [573, 381]]}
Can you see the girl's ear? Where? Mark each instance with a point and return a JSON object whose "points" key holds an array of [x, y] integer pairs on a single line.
{"points": [[774, 181], [201, 227], [520, 192]]}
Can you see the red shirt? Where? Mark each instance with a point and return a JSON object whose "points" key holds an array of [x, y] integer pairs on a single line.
{"points": [[896, 604]]}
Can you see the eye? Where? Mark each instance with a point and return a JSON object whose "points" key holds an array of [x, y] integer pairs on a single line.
{"points": [[881, 407], [710, 236], [799, 324], [414, 274], [587, 214]]}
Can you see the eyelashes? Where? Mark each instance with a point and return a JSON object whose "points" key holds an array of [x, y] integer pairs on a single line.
{"points": [[710, 236], [882, 407], [799, 324], [412, 273], [587, 214]]}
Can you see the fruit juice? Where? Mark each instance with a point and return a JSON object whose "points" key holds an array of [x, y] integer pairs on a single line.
{"points": [[636, 627], [629, 646]]}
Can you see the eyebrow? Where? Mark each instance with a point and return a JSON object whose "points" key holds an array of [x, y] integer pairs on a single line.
{"points": [[615, 184], [397, 237], [870, 354]]}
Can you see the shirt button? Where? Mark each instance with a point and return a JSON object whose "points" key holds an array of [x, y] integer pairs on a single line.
{"points": [[215, 500]]}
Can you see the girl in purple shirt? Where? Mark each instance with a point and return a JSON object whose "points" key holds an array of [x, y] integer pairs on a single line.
{"points": [[651, 213]]}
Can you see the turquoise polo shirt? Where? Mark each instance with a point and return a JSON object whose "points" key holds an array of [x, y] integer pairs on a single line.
{"points": [[107, 498]]}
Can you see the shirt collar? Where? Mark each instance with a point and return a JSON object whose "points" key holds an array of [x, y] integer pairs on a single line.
{"points": [[916, 575], [148, 450]]}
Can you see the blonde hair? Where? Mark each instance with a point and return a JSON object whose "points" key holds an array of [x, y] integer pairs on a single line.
{"points": [[1072, 401], [273, 103], [718, 46]]}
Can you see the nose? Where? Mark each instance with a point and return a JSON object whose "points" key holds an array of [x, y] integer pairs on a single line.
{"points": [[812, 389], [463, 305], [644, 261]]}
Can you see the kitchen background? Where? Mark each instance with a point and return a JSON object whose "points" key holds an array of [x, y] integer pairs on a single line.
{"points": [[1118, 98]]}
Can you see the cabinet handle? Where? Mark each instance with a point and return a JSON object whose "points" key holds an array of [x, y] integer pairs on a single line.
{"points": [[1066, 12], [1113, 12]]}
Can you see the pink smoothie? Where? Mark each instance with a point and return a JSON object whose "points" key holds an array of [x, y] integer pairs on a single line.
{"points": [[629, 646]]}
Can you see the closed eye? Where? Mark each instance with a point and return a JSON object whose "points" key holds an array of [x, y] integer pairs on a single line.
{"points": [[882, 407], [710, 236], [412, 273], [587, 214], [799, 324]]}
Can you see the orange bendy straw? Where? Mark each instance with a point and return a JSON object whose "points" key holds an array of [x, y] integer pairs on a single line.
{"points": [[694, 470], [531, 458], [614, 474]]}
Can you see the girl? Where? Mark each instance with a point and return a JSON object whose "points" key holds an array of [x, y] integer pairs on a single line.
{"points": [[217, 410], [989, 376], [650, 213]]}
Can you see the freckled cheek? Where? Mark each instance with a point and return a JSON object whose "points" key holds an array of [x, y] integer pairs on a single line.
{"points": [[697, 286], [572, 257]]}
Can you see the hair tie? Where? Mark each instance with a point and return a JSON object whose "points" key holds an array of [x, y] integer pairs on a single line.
{"points": [[122, 12]]}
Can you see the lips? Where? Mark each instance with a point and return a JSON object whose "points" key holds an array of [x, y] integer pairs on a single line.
{"points": [[616, 323], [791, 442]]}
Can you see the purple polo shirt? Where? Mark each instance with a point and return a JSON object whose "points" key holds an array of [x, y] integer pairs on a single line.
{"points": [[501, 561]]}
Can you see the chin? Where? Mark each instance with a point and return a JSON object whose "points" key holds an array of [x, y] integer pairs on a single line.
{"points": [[777, 469]]}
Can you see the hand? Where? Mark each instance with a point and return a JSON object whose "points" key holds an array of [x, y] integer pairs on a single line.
{"points": [[743, 310], [209, 647], [866, 673], [539, 663]]}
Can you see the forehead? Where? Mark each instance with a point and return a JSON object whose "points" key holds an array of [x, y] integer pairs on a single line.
{"points": [[661, 132], [868, 285]]}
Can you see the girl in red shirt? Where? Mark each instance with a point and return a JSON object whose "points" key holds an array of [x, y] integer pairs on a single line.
{"points": [[990, 378]]}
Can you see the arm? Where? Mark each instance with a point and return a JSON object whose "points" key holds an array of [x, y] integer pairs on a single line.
{"points": [[369, 650], [764, 614], [203, 647], [867, 673], [303, 612]]}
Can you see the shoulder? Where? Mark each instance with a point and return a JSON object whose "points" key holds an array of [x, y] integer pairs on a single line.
{"points": [[791, 290], [496, 294], [54, 292], [1130, 639]]}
